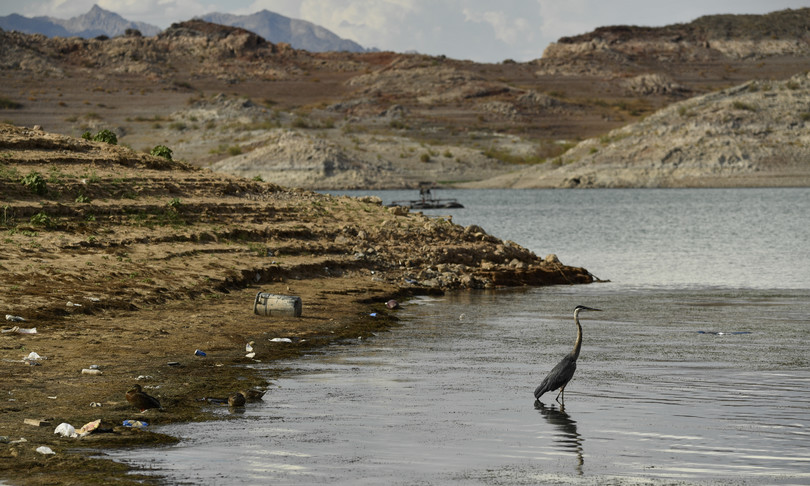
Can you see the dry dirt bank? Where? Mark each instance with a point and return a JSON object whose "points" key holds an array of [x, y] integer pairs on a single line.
{"points": [[131, 262]]}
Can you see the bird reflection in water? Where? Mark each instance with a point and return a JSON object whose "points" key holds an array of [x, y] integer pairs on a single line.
{"points": [[568, 438]]}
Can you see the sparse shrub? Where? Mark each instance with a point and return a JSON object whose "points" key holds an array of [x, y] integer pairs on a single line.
{"points": [[300, 123], [741, 105], [104, 135], [35, 182], [162, 151], [174, 203], [81, 198], [234, 150], [41, 219], [425, 157], [7, 104], [258, 178]]}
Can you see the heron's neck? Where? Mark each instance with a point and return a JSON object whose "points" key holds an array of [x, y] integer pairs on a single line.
{"points": [[578, 343]]}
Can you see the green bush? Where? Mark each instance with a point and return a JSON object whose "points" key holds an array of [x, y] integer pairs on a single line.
{"points": [[41, 219], [35, 182], [106, 136], [162, 151], [101, 136]]}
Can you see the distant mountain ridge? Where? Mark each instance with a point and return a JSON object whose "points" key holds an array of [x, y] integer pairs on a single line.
{"points": [[94, 23], [276, 28], [273, 27]]}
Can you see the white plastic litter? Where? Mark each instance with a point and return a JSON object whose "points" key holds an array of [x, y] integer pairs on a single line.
{"points": [[20, 330], [45, 450], [11, 318], [281, 340], [32, 356], [65, 430]]}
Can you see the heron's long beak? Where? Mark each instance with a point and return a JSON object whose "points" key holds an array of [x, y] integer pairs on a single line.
{"points": [[591, 309]]}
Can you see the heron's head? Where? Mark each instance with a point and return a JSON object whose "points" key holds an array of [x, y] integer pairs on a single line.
{"points": [[584, 308]]}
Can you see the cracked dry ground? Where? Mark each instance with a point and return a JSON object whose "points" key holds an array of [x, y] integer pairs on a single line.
{"points": [[130, 262]]}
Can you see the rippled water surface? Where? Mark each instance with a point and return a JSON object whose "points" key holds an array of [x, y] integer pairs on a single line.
{"points": [[688, 377]]}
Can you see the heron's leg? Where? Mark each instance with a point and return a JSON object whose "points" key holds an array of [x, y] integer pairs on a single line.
{"points": [[562, 393]]}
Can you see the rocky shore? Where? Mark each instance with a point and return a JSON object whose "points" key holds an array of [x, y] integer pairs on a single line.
{"points": [[125, 264]]}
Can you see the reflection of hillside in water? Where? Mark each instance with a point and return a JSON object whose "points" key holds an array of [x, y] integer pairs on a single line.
{"points": [[568, 439]]}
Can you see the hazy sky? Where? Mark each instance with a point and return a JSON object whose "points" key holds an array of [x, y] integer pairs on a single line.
{"points": [[480, 30]]}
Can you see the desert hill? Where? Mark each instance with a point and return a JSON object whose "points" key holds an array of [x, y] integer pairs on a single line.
{"points": [[754, 134], [227, 98]]}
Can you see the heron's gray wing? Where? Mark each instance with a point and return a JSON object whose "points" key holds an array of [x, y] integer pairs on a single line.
{"points": [[557, 377]]}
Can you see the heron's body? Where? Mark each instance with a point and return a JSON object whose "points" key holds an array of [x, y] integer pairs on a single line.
{"points": [[561, 374]]}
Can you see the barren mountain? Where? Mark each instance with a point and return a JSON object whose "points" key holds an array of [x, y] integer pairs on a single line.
{"points": [[278, 28], [226, 96], [96, 22]]}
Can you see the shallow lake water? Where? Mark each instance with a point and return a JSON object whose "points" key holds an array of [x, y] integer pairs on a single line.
{"points": [[687, 377]]}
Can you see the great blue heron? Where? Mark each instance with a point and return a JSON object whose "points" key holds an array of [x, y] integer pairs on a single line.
{"points": [[564, 371]]}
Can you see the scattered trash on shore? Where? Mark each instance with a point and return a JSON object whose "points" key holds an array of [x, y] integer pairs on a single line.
{"points": [[33, 359], [11, 318], [135, 424], [281, 340], [199, 352], [392, 304], [277, 305], [90, 371], [65, 430], [37, 422], [249, 350], [20, 330], [721, 333], [45, 450], [89, 428]]}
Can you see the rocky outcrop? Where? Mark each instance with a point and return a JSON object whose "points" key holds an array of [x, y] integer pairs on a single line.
{"points": [[297, 160], [711, 38], [752, 134]]}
